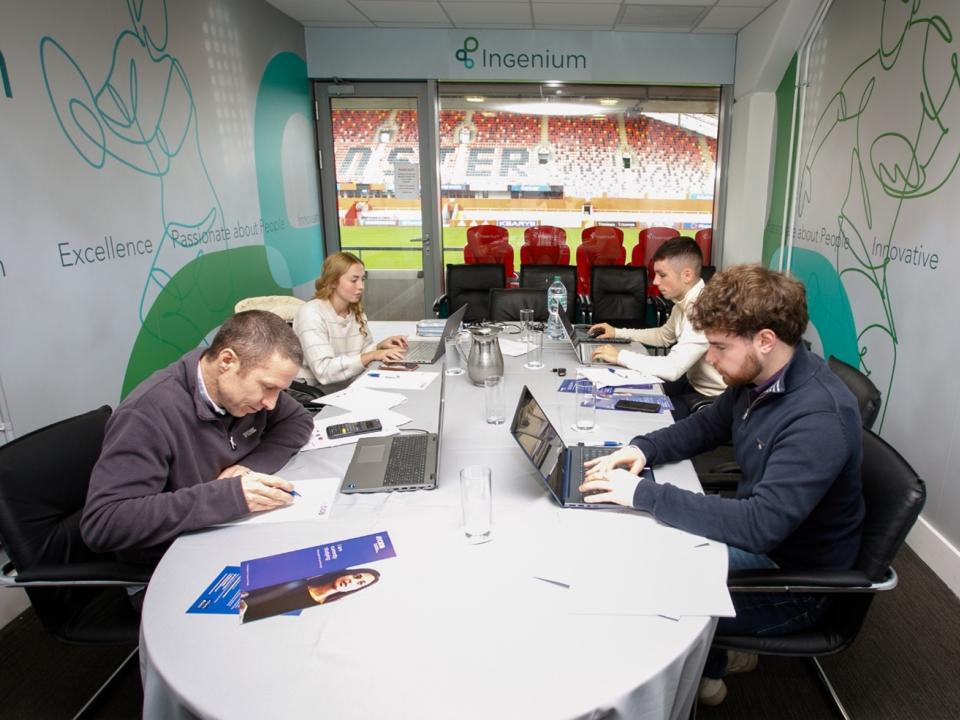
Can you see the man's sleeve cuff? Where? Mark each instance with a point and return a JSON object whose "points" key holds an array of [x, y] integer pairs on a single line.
{"points": [[645, 495]]}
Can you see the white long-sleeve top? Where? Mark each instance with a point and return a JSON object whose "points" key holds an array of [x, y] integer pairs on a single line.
{"points": [[687, 356], [332, 345]]}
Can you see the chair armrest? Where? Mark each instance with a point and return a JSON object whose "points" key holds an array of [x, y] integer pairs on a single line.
{"points": [[92, 573], [439, 302], [700, 404], [807, 581], [718, 482]]}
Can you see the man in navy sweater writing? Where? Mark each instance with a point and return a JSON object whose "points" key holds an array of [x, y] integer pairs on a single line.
{"points": [[795, 429]]}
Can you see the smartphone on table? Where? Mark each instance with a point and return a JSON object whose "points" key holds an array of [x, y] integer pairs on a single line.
{"points": [[342, 430]]}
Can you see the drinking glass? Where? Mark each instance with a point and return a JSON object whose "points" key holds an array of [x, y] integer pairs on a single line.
{"points": [[586, 410], [494, 412], [526, 320], [534, 350], [452, 360], [476, 502]]}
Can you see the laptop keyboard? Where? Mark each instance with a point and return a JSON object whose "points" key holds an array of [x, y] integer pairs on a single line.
{"points": [[420, 352], [587, 452], [407, 461]]}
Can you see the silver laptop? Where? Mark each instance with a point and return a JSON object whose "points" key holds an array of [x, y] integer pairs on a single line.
{"points": [[409, 461], [560, 467], [582, 349], [425, 352]]}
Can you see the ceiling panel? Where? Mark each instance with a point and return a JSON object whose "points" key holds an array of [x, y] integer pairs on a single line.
{"points": [[467, 14], [598, 14], [405, 11]]}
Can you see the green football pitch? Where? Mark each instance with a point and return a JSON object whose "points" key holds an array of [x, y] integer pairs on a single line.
{"points": [[406, 256]]}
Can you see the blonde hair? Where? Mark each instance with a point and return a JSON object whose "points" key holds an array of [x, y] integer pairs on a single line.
{"points": [[335, 267]]}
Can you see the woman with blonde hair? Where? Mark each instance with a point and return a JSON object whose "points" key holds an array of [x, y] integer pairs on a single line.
{"points": [[333, 331]]}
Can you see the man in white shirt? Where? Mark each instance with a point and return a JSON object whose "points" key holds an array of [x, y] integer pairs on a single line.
{"points": [[686, 374]]}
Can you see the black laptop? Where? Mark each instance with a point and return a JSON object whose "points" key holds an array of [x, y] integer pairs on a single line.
{"points": [[560, 467], [583, 349]]}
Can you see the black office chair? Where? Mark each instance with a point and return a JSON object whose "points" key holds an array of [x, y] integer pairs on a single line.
{"points": [[866, 393], [506, 304], [470, 285], [79, 596], [618, 295], [539, 277], [894, 496]]}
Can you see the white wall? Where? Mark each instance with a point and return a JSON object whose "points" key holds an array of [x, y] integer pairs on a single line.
{"points": [[143, 123], [764, 49]]}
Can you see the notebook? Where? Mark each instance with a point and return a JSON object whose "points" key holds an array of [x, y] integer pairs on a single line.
{"points": [[560, 467], [410, 461], [425, 352]]}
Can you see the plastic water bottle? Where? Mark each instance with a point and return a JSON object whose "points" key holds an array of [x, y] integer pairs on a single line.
{"points": [[556, 298]]}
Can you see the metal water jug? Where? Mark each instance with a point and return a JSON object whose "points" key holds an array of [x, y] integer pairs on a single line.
{"points": [[485, 359]]}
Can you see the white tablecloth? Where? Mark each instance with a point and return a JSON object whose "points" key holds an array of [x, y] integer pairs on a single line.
{"points": [[452, 630]]}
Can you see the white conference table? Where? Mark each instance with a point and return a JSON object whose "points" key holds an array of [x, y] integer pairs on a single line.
{"points": [[455, 630]]}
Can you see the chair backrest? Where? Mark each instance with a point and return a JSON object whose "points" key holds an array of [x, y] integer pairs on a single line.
{"points": [[506, 303], [539, 277], [602, 245], [490, 251], [894, 496], [286, 306], [618, 295], [649, 241], [544, 245], [43, 486], [867, 395], [704, 238], [472, 284], [486, 234]]}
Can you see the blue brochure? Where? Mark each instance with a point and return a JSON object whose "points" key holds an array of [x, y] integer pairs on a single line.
{"points": [[222, 596], [311, 576], [569, 385]]}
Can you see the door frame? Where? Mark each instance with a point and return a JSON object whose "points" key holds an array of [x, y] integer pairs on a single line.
{"points": [[425, 94]]}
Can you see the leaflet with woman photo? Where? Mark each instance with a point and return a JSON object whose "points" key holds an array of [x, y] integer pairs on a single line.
{"points": [[277, 584]]}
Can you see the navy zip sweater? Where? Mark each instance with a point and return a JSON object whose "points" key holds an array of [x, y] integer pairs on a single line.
{"points": [[798, 445]]}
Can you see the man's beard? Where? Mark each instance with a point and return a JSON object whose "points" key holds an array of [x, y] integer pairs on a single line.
{"points": [[746, 373]]}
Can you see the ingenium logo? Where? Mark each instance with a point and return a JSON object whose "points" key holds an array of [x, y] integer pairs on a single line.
{"points": [[463, 54], [521, 59]]}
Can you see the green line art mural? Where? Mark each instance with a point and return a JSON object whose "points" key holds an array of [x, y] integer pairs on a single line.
{"points": [[142, 117], [887, 128]]}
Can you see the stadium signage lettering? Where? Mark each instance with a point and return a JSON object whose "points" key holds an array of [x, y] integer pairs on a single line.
{"points": [[545, 59]]}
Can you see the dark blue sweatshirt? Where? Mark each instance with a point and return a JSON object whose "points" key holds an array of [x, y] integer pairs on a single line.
{"points": [[799, 448]]}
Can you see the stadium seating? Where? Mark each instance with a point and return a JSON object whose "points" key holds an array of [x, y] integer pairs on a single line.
{"points": [[489, 244], [599, 245], [648, 242], [704, 238], [544, 245]]}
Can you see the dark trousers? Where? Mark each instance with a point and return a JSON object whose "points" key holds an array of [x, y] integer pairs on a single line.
{"points": [[762, 613], [682, 395]]}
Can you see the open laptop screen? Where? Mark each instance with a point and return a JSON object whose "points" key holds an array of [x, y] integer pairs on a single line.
{"points": [[539, 441]]}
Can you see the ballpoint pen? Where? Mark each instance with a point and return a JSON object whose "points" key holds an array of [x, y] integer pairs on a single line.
{"points": [[383, 375], [618, 374], [607, 443]]}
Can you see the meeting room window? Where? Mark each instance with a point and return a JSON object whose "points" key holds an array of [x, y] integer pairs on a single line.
{"points": [[574, 156]]}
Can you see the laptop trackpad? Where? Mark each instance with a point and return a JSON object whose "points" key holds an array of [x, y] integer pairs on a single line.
{"points": [[371, 453]]}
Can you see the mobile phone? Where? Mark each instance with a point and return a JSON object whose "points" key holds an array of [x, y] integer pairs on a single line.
{"points": [[637, 406], [403, 366], [342, 430]]}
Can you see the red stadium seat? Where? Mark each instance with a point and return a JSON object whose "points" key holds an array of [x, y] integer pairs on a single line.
{"points": [[544, 245], [649, 241], [704, 238], [600, 245], [489, 244]]}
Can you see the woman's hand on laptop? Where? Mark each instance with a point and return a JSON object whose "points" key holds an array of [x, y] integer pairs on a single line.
{"points": [[394, 341], [628, 456], [618, 486], [388, 354]]}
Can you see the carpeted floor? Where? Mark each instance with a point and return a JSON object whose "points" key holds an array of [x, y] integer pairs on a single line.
{"points": [[904, 666]]}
